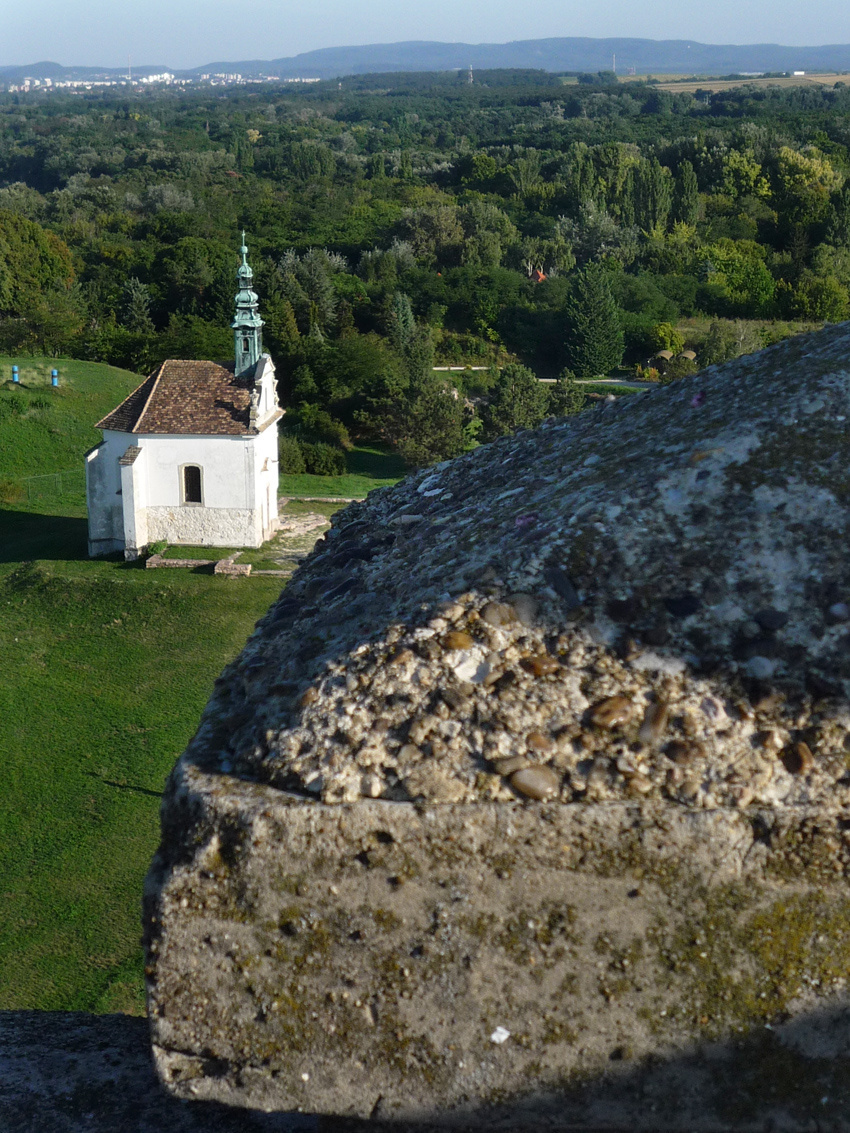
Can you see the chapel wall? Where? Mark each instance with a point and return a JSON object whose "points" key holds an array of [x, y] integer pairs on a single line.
{"points": [[266, 480], [226, 469], [103, 495]]}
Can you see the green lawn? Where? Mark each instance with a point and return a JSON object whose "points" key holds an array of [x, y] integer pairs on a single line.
{"points": [[605, 388], [45, 430], [368, 468], [93, 719]]}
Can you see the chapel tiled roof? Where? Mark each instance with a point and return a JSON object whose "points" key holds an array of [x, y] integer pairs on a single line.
{"points": [[186, 397]]}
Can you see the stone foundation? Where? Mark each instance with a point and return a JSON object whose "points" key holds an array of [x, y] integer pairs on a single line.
{"points": [[204, 527]]}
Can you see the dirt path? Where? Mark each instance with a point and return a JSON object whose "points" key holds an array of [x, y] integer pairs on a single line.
{"points": [[294, 541]]}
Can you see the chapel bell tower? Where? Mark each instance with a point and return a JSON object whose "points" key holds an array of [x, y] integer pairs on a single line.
{"points": [[247, 324]]}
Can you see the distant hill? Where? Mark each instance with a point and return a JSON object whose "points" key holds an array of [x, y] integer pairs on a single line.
{"points": [[643, 56], [57, 71], [646, 56]]}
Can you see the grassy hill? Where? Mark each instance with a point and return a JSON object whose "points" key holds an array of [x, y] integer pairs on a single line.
{"points": [[43, 429], [106, 668]]}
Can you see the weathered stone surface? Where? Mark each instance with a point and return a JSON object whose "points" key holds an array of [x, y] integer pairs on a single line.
{"points": [[351, 897]]}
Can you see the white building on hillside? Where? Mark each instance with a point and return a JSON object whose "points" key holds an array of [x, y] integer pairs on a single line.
{"points": [[191, 455]]}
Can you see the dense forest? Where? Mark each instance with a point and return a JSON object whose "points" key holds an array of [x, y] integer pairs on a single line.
{"points": [[395, 222]]}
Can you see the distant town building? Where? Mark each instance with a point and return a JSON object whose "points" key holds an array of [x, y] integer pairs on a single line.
{"points": [[191, 455]]}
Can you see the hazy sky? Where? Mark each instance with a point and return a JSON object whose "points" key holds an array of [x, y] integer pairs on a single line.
{"points": [[189, 33]]}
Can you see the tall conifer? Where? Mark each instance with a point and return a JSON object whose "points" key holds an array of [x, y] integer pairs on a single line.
{"points": [[594, 343]]}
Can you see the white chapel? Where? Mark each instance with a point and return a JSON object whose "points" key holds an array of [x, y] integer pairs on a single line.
{"points": [[191, 455]]}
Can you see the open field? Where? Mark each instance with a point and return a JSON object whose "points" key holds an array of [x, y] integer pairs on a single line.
{"points": [[107, 667], [690, 86]]}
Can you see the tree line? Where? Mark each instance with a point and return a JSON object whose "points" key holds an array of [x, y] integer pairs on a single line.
{"points": [[528, 223]]}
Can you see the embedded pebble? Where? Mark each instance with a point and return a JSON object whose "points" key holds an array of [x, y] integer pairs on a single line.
{"points": [[771, 619], [525, 607], [654, 722], [611, 712], [639, 784], [513, 763], [682, 606], [498, 614], [536, 781], [563, 586], [798, 759], [770, 740], [540, 665], [761, 667], [457, 639], [539, 742], [684, 753]]}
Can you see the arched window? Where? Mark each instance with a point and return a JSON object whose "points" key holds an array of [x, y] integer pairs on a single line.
{"points": [[192, 484]]}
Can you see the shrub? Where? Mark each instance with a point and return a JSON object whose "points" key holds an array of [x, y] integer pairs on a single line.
{"points": [[518, 401], [647, 373], [666, 337], [323, 460], [291, 457], [678, 368]]}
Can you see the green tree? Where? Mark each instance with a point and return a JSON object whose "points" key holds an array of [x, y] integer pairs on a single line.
{"points": [[424, 420], [281, 333], [566, 396], [594, 342], [401, 325], [518, 401], [137, 306], [742, 175], [33, 262], [821, 298], [686, 195], [666, 337], [806, 182], [653, 193], [838, 225], [432, 423]]}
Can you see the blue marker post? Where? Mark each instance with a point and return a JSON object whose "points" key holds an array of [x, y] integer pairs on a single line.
{"points": [[16, 377], [54, 378]]}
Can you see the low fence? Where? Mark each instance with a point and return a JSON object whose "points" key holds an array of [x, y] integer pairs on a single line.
{"points": [[44, 488]]}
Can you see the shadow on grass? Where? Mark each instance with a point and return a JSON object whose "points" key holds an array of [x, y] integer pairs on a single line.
{"points": [[376, 464], [68, 1071], [28, 535], [124, 786]]}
